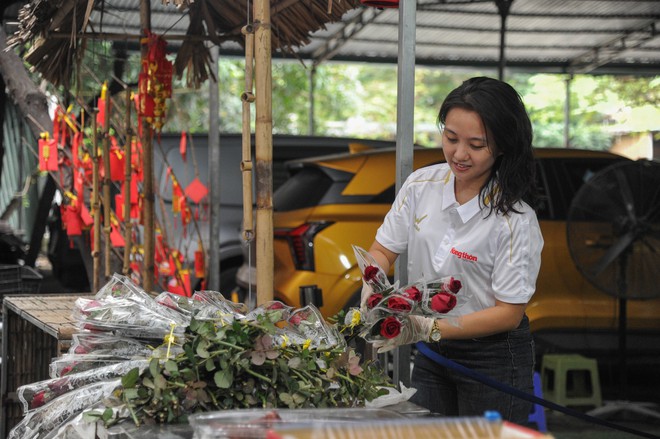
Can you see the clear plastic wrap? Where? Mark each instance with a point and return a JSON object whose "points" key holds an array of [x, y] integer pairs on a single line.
{"points": [[212, 305], [122, 308], [42, 422], [256, 423], [180, 304], [70, 364], [309, 322], [38, 394], [99, 343]]}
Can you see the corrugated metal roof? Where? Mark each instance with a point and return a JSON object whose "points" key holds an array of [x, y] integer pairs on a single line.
{"points": [[557, 35], [541, 35]]}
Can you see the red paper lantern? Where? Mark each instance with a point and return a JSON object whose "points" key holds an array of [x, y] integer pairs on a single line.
{"points": [[381, 4]]}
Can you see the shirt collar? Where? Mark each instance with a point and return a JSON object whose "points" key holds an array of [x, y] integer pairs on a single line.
{"points": [[465, 211]]}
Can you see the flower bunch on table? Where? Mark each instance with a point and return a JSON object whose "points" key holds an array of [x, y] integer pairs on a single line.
{"points": [[160, 360], [385, 311]]}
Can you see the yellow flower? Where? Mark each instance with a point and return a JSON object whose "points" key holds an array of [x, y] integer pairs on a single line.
{"points": [[285, 341], [356, 318], [307, 344]]}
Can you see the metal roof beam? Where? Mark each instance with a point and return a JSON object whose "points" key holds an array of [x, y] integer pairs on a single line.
{"points": [[601, 55], [344, 34]]}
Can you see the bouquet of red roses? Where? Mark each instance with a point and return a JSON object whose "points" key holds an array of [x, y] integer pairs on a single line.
{"points": [[386, 309], [441, 296]]}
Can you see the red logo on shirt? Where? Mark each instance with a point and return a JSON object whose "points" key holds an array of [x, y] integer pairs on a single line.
{"points": [[463, 255]]}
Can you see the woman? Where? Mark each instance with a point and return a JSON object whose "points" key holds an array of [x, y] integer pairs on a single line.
{"points": [[468, 216]]}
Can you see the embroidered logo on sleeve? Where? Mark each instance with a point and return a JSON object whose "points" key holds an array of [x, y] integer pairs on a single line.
{"points": [[463, 255], [419, 220]]}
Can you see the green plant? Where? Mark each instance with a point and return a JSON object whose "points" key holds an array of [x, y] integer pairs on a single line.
{"points": [[246, 364]]}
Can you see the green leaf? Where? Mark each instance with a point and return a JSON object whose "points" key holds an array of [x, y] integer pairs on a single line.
{"points": [[108, 414], [160, 383], [131, 393], [154, 367], [223, 378], [130, 379], [172, 367], [147, 382], [209, 365], [294, 363], [286, 398], [202, 348]]}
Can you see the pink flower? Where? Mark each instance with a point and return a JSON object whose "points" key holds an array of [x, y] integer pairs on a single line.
{"points": [[398, 304], [276, 305], [443, 302], [374, 300], [413, 294], [370, 273], [295, 319]]}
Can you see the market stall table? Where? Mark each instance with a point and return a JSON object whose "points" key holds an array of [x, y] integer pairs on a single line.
{"points": [[35, 330]]}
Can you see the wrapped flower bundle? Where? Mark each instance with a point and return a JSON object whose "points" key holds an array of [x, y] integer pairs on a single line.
{"points": [[386, 310], [160, 360]]}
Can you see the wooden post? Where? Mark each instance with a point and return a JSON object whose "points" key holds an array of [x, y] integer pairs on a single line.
{"points": [[128, 229], [96, 212], [264, 151], [148, 169], [107, 211], [247, 99]]}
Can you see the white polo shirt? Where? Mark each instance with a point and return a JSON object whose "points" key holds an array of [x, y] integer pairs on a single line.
{"points": [[496, 256]]}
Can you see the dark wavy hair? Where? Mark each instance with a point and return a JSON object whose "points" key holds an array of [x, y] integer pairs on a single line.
{"points": [[508, 132]]}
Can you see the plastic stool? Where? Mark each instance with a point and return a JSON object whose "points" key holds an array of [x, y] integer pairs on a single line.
{"points": [[538, 412], [571, 380]]}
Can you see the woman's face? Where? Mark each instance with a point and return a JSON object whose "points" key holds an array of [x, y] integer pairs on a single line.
{"points": [[466, 149]]}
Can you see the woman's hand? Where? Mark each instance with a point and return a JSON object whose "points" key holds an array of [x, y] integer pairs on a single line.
{"points": [[364, 296], [417, 329]]}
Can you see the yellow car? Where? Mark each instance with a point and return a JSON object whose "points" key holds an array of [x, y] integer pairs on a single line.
{"points": [[333, 202]]}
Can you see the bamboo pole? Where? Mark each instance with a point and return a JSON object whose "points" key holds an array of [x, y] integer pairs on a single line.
{"points": [[128, 229], [246, 164], [96, 212], [264, 151], [148, 165], [107, 211]]}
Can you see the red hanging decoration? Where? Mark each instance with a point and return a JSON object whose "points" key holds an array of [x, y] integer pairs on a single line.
{"points": [[196, 191], [183, 146], [117, 160], [154, 81], [47, 153], [200, 264], [100, 103]]}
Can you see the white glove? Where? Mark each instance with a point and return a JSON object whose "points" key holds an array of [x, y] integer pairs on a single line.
{"points": [[366, 292], [417, 329]]}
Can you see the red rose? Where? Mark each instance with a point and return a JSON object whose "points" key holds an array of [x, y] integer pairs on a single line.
{"points": [[39, 399], [413, 294], [65, 370], [398, 304], [80, 350], [390, 327], [276, 305], [455, 285], [295, 319], [370, 273], [443, 302], [374, 300]]}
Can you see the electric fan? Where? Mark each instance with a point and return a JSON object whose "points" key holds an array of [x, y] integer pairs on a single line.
{"points": [[613, 230]]}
